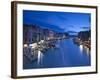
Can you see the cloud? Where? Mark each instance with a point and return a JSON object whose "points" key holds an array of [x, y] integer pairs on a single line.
{"points": [[72, 32], [86, 27]]}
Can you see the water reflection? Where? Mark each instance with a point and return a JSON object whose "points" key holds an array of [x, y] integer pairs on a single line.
{"points": [[87, 50], [40, 56], [67, 54], [84, 49], [81, 48]]}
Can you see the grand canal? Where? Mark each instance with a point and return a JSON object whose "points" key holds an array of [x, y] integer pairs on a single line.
{"points": [[67, 54]]}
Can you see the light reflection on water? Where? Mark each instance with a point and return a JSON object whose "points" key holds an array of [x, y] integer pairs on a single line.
{"points": [[81, 48], [87, 50], [40, 56], [84, 48], [67, 54]]}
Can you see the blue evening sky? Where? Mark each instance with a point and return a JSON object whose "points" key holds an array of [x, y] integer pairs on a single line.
{"points": [[58, 21]]}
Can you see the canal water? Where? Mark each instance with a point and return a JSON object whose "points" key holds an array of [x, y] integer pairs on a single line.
{"points": [[67, 54]]}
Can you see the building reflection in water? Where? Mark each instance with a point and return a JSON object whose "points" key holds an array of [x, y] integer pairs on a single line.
{"points": [[84, 49], [87, 50]]}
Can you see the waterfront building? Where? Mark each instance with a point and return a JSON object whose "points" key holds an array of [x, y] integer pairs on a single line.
{"points": [[34, 33], [31, 33]]}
